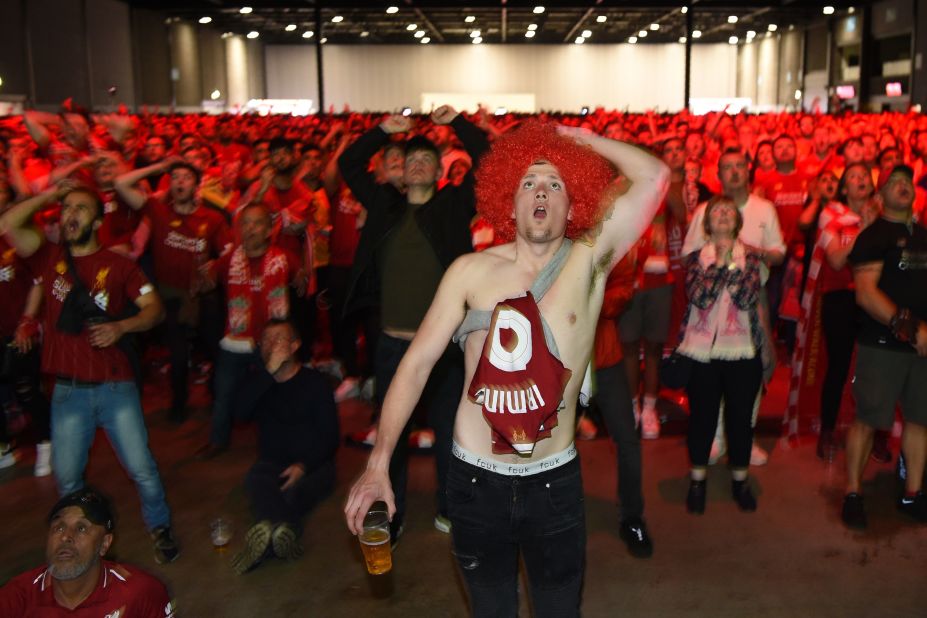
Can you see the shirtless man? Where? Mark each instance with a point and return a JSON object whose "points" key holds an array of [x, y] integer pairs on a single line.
{"points": [[509, 489]]}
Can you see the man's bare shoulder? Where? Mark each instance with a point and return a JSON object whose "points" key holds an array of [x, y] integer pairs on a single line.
{"points": [[491, 258]]}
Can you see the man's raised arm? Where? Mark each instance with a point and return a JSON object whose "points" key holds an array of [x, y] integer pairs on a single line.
{"points": [[126, 184], [443, 317], [37, 124], [16, 223], [355, 159], [626, 219]]}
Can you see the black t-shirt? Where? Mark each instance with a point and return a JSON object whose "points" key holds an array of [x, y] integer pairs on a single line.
{"points": [[902, 250]]}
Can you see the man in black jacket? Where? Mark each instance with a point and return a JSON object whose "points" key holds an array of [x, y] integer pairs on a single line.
{"points": [[297, 438], [408, 241]]}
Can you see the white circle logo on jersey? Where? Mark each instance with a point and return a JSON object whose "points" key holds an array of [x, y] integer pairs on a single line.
{"points": [[517, 355]]}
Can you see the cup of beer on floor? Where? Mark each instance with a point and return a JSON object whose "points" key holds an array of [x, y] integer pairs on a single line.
{"points": [[374, 540], [220, 532]]}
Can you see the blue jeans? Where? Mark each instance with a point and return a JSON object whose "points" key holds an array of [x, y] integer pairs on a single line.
{"points": [[542, 516], [231, 369], [77, 411]]}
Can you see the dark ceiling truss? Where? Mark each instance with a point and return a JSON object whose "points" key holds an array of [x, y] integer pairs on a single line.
{"points": [[498, 21]]}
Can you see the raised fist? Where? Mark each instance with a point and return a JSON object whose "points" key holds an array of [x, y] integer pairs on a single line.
{"points": [[444, 115], [396, 124]]}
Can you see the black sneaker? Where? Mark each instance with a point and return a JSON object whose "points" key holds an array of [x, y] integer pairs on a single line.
{"points": [[853, 514], [743, 496], [695, 500], [915, 508], [166, 549], [395, 531], [633, 531]]}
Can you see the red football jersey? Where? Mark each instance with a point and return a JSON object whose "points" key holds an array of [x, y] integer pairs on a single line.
{"points": [[518, 381]]}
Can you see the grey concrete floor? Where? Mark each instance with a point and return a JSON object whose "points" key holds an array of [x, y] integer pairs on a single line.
{"points": [[790, 558]]}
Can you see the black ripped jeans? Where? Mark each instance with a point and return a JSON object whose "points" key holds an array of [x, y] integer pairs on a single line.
{"points": [[494, 517]]}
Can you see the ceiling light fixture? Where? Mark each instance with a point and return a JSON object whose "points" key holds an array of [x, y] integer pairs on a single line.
{"points": [[732, 19], [426, 40], [337, 19], [682, 39], [392, 10], [696, 34], [253, 34], [477, 40], [475, 34], [587, 34], [601, 19], [205, 20], [412, 27], [732, 40], [532, 27], [654, 26], [773, 27], [538, 10], [530, 34], [579, 40], [642, 34], [245, 10], [684, 10], [419, 34], [308, 34], [828, 10], [469, 19], [290, 28], [632, 40]]}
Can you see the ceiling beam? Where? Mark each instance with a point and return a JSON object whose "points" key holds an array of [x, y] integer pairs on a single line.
{"points": [[580, 21], [424, 19]]}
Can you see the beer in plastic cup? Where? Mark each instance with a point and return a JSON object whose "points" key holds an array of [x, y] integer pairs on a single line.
{"points": [[374, 541]]}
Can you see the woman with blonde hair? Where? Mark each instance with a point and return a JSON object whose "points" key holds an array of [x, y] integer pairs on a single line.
{"points": [[723, 337]]}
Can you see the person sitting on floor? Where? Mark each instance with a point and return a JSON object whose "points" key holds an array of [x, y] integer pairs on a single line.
{"points": [[297, 438]]}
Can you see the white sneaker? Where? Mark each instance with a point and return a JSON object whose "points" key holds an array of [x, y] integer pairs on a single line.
{"points": [[348, 389], [43, 459], [422, 438], [758, 457], [650, 424], [368, 389], [718, 449], [585, 429], [7, 456]]}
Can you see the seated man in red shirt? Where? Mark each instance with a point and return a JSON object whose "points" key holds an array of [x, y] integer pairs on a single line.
{"points": [[77, 581]]}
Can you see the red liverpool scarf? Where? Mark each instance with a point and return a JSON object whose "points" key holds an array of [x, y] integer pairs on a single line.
{"points": [[268, 287]]}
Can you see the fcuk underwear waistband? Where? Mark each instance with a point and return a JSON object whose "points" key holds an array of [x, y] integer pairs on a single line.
{"points": [[514, 469]]}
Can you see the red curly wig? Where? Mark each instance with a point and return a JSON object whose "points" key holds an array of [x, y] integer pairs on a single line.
{"points": [[585, 174]]}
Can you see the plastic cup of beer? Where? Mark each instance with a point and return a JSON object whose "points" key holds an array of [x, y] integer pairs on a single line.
{"points": [[374, 541], [220, 532]]}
